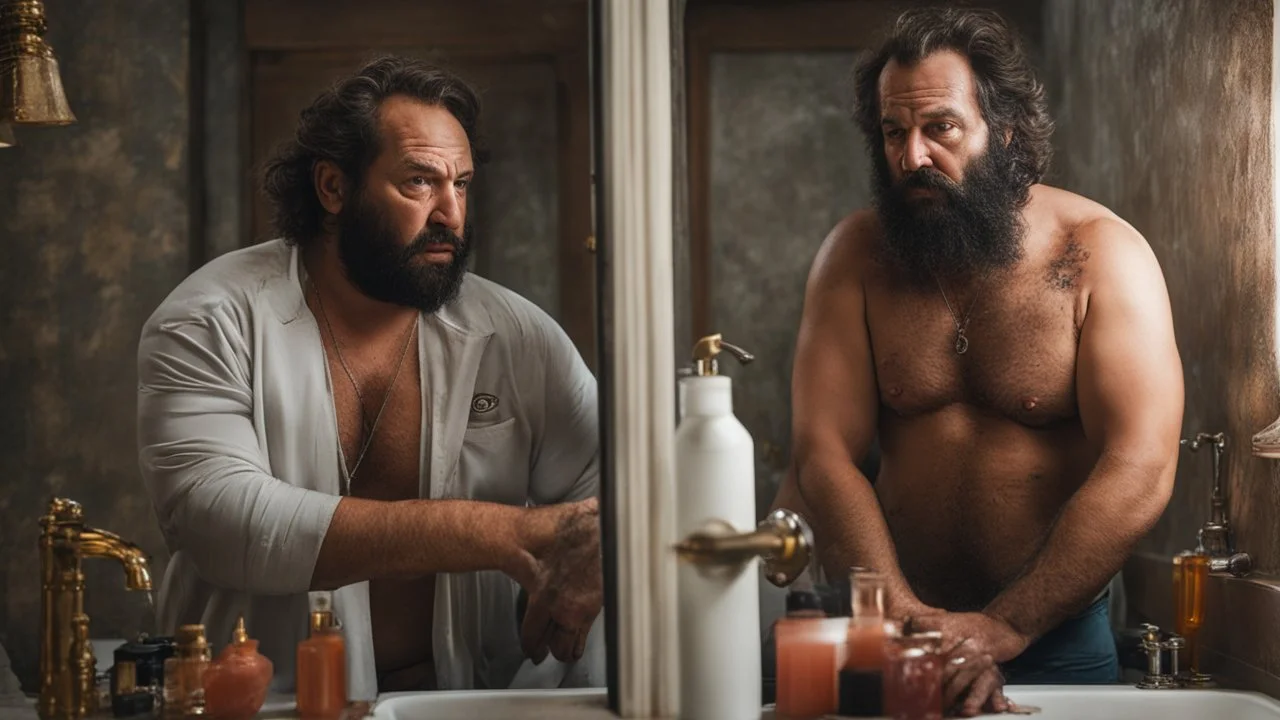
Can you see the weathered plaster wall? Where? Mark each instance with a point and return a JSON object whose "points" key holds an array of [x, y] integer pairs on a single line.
{"points": [[1164, 116], [93, 234]]}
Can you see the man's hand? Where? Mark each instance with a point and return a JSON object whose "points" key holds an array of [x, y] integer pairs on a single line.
{"points": [[971, 682], [565, 587], [985, 634]]}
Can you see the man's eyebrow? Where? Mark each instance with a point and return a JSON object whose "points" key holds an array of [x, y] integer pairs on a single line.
{"points": [[422, 166], [943, 113]]}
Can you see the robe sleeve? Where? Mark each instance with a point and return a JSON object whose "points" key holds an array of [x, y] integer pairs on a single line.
{"points": [[202, 462]]}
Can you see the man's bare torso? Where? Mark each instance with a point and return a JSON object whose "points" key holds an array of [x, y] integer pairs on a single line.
{"points": [[980, 451], [401, 609]]}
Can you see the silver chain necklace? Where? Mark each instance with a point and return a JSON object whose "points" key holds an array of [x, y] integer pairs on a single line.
{"points": [[364, 420], [962, 341]]}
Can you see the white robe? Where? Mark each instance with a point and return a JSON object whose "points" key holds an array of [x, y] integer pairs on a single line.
{"points": [[238, 444]]}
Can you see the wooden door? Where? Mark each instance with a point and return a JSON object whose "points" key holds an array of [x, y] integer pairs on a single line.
{"points": [[531, 204]]}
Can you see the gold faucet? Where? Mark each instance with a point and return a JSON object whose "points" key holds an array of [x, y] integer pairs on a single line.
{"points": [[67, 665]]}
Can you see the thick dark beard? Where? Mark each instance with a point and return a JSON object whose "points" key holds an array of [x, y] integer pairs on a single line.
{"points": [[974, 226], [378, 262]]}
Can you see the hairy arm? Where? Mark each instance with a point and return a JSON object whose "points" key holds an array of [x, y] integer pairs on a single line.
{"points": [[1130, 394], [835, 406], [372, 539]]}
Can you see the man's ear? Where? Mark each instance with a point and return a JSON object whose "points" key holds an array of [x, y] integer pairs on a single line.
{"points": [[332, 186]]}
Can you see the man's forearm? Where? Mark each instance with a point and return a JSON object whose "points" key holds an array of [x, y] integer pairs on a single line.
{"points": [[847, 517], [369, 540], [1085, 548]]}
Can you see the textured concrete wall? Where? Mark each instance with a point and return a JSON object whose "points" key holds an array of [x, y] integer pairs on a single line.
{"points": [[1164, 112], [786, 165], [93, 234], [515, 203]]}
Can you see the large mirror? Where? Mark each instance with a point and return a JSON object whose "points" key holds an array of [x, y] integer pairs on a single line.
{"points": [[976, 398]]}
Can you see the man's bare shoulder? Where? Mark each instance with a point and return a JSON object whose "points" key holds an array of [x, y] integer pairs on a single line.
{"points": [[849, 247], [1108, 250]]}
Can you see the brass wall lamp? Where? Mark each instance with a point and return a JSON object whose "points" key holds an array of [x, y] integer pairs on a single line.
{"points": [[30, 86]]}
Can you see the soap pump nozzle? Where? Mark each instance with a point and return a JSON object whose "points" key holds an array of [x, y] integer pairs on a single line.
{"points": [[706, 350]]}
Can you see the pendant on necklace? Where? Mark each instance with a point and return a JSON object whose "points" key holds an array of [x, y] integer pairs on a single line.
{"points": [[962, 342]]}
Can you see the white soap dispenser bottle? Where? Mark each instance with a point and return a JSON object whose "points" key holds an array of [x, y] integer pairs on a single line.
{"points": [[719, 610]]}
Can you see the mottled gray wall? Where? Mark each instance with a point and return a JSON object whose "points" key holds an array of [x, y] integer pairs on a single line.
{"points": [[516, 201], [1164, 112], [93, 234], [786, 165]]}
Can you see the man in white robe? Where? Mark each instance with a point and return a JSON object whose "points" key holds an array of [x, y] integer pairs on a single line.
{"points": [[346, 409]]}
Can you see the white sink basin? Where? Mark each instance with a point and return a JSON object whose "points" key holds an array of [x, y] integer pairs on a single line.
{"points": [[1125, 702], [1116, 702], [586, 704]]}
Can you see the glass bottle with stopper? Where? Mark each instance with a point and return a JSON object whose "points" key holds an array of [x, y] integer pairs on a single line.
{"points": [[235, 684]]}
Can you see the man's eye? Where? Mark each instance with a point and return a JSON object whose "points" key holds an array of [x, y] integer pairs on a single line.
{"points": [[943, 127], [894, 134], [418, 180], [462, 184]]}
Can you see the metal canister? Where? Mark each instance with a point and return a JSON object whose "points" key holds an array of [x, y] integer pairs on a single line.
{"points": [[137, 676]]}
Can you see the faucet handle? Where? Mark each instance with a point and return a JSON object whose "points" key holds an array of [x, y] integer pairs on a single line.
{"points": [[1152, 633], [1217, 440], [1175, 644], [1238, 565]]}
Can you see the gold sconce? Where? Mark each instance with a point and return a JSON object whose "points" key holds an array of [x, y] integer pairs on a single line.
{"points": [[30, 87]]}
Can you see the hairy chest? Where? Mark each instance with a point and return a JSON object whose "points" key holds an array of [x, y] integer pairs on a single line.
{"points": [[1019, 361]]}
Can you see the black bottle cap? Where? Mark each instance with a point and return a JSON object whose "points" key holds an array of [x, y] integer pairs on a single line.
{"points": [[803, 601]]}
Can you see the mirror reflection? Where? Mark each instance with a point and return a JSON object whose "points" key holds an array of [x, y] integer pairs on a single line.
{"points": [[317, 336]]}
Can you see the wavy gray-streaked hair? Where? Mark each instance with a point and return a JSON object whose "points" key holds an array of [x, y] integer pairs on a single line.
{"points": [[1009, 95]]}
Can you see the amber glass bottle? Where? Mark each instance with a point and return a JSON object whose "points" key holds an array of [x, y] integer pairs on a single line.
{"points": [[1190, 572], [322, 664]]}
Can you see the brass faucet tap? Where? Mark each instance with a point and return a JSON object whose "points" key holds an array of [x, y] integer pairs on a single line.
{"points": [[782, 540], [67, 665]]}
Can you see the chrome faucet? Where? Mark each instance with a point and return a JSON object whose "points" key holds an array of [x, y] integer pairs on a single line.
{"points": [[1215, 535], [1156, 678]]}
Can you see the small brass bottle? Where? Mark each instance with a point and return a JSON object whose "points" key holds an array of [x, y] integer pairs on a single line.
{"points": [[184, 674]]}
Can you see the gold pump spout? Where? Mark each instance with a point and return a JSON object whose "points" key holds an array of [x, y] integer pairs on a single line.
{"points": [[67, 666], [706, 350]]}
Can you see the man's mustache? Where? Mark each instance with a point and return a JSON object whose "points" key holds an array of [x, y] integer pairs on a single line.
{"points": [[927, 179], [434, 236]]}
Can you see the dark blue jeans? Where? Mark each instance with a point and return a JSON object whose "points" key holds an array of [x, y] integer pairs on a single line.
{"points": [[1080, 651]]}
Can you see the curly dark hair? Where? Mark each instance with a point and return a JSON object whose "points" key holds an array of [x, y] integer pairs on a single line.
{"points": [[1009, 95], [341, 126]]}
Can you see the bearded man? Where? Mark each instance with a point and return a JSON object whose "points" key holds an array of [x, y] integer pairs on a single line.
{"points": [[1010, 346], [346, 409]]}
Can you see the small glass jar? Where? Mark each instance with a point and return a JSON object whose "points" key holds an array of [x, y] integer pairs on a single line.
{"points": [[913, 677], [184, 674], [810, 653]]}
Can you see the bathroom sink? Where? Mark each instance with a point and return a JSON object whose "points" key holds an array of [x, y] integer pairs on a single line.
{"points": [[1125, 702], [585, 704], [1055, 702]]}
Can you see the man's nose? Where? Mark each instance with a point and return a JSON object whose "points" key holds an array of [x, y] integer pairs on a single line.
{"points": [[915, 152], [447, 211]]}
